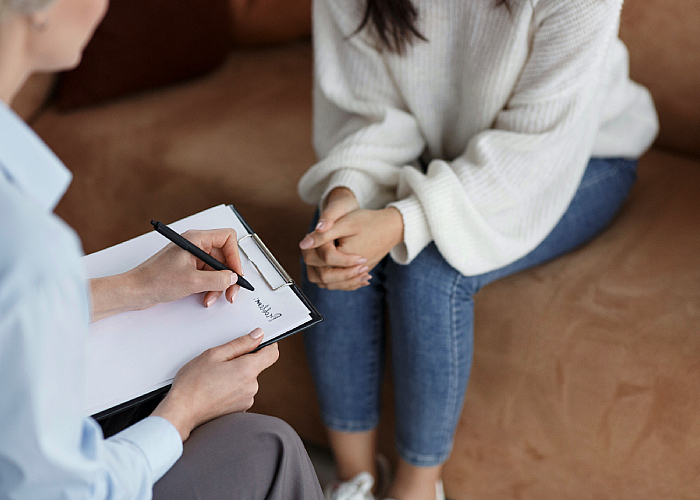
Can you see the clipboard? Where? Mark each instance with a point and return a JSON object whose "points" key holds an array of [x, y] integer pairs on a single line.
{"points": [[257, 253], [269, 278]]}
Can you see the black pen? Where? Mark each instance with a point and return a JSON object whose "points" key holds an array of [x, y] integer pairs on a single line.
{"points": [[183, 243]]}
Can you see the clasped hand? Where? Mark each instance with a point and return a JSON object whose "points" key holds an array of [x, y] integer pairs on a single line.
{"points": [[348, 242]]}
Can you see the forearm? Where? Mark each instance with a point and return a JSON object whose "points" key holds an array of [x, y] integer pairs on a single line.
{"points": [[116, 294]]}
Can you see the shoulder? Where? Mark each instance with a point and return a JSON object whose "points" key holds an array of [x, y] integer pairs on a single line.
{"points": [[347, 16], [575, 10], [36, 245]]}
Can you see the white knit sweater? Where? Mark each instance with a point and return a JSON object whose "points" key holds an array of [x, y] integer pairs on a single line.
{"points": [[505, 107]]}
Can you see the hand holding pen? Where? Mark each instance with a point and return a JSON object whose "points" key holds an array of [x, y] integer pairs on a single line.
{"points": [[183, 243], [171, 274]]}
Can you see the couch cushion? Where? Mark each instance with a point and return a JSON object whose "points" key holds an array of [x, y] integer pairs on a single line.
{"points": [[143, 44], [662, 37], [241, 135], [258, 22], [587, 369]]}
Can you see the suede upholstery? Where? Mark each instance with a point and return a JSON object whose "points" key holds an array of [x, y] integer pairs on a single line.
{"points": [[586, 373]]}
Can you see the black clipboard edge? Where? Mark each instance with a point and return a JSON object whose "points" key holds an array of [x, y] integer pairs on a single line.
{"points": [[316, 316], [313, 312], [131, 403]]}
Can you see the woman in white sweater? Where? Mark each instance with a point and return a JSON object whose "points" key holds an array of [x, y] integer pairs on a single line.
{"points": [[459, 141]]}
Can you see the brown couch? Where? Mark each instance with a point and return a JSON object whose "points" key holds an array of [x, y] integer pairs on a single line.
{"points": [[586, 377]]}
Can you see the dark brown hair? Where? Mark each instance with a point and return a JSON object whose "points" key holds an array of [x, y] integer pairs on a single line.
{"points": [[394, 22]]}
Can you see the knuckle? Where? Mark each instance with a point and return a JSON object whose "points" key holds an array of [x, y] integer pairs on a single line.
{"points": [[312, 274], [324, 253], [193, 281], [191, 234], [324, 275]]}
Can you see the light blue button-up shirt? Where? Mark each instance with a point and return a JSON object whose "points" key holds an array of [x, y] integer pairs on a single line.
{"points": [[48, 448]]}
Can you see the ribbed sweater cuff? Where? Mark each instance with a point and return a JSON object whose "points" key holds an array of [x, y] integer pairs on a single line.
{"points": [[416, 231], [363, 186]]}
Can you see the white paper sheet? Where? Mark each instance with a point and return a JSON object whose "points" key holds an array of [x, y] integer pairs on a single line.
{"points": [[134, 353]]}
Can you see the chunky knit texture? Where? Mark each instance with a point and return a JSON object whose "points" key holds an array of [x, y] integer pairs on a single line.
{"points": [[505, 108]]}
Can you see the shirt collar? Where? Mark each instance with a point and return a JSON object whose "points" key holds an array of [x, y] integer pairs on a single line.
{"points": [[29, 163]]}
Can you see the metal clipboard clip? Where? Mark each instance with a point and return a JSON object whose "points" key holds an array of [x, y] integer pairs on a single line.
{"points": [[264, 262]]}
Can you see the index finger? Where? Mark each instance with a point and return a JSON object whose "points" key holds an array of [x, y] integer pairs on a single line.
{"points": [[224, 239], [328, 255], [315, 239]]}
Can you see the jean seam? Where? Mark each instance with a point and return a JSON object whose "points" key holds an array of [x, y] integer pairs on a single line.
{"points": [[448, 419], [453, 376]]}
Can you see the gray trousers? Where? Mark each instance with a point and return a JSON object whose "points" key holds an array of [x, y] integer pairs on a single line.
{"points": [[241, 456]]}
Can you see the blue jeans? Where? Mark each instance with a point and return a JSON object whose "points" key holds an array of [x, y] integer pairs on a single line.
{"points": [[430, 308]]}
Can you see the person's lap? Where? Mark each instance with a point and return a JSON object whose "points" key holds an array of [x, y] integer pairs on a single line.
{"points": [[241, 456], [430, 308]]}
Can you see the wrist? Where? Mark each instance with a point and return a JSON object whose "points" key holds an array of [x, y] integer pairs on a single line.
{"points": [[338, 192], [395, 225], [176, 413], [138, 289]]}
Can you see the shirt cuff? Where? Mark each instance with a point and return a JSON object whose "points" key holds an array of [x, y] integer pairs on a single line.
{"points": [[416, 231], [363, 186], [158, 440]]}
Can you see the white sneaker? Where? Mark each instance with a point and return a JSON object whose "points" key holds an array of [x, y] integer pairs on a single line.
{"points": [[439, 492], [363, 483], [358, 488]]}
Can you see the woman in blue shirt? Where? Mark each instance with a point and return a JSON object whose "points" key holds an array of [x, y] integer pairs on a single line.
{"points": [[48, 448]]}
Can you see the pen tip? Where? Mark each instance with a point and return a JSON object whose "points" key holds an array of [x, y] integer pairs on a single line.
{"points": [[154, 223], [242, 282]]}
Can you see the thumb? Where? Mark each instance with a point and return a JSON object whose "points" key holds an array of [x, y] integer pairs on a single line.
{"points": [[240, 346], [337, 207], [216, 281]]}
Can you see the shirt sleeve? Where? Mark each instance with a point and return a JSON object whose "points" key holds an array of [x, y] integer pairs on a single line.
{"points": [[48, 448]]}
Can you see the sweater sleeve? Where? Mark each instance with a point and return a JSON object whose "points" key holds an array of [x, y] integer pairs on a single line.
{"points": [[500, 198], [362, 132]]}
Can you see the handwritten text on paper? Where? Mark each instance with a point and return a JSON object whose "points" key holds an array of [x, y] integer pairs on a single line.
{"points": [[266, 310]]}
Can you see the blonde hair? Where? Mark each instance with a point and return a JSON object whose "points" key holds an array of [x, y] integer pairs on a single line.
{"points": [[22, 6]]}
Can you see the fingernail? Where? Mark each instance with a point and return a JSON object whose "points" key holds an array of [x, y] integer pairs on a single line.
{"points": [[363, 269], [257, 333], [321, 225], [234, 294], [307, 242], [234, 278], [362, 260], [210, 301]]}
